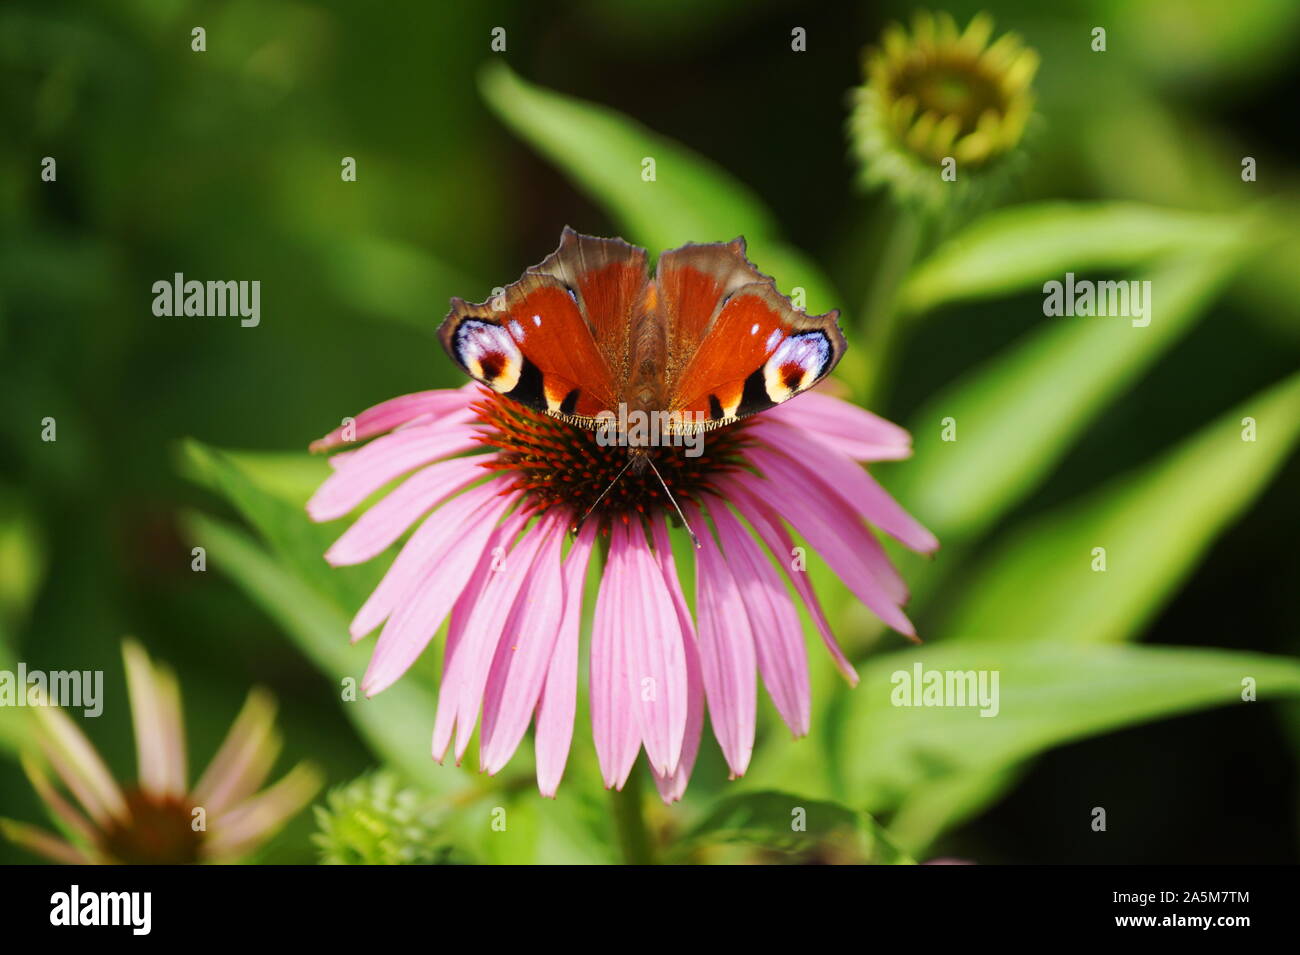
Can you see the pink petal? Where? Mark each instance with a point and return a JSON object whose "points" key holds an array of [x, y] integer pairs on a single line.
{"points": [[244, 758], [383, 460], [656, 659], [491, 622], [453, 661], [382, 524], [837, 474], [420, 556], [415, 621], [439, 424], [156, 716], [79, 765], [727, 656], [836, 533], [62, 810], [770, 527], [390, 414], [555, 711], [241, 828], [45, 843], [672, 786], [778, 634], [837, 515], [519, 670], [860, 434], [613, 724]]}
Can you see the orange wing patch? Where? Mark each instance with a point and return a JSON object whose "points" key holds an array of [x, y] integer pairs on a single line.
{"points": [[535, 348], [758, 352]]}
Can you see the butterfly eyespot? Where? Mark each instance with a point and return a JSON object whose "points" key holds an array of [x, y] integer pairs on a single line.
{"points": [[489, 353], [796, 365]]}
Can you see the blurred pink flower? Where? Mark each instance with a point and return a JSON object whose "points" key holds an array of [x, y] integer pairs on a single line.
{"points": [[491, 557], [156, 822]]}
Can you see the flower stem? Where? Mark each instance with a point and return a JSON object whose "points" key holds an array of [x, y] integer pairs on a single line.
{"points": [[629, 821], [880, 313]]}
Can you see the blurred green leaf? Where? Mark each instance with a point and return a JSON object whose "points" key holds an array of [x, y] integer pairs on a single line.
{"points": [[395, 724], [1154, 525], [1017, 248], [395, 280], [929, 811], [268, 491], [512, 825], [1017, 415], [22, 561], [22, 568], [768, 819], [15, 730], [291, 477], [1048, 694], [1201, 43], [1160, 520], [690, 200]]}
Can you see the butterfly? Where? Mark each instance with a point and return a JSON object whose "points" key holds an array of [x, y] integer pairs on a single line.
{"points": [[707, 341]]}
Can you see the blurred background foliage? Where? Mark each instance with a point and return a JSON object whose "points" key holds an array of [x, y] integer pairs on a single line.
{"points": [[1118, 688]]}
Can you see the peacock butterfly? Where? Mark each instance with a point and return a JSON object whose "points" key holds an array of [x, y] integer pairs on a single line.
{"points": [[587, 332]]}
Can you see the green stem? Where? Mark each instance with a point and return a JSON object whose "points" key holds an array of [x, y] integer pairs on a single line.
{"points": [[879, 329], [629, 821]]}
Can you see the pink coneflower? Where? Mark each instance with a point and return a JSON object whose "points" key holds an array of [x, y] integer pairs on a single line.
{"points": [[496, 490], [161, 820]]}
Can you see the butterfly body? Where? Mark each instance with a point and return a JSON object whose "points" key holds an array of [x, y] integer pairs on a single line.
{"points": [[587, 336]]}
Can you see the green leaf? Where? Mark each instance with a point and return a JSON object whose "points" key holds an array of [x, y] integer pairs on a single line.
{"points": [[602, 151], [394, 280], [1154, 525], [1016, 416], [15, 729], [396, 723], [782, 822], [22, 561], [1016, 248], [690, 199], [929, 811], [1047, 694], [22, 571], [269, 492]]}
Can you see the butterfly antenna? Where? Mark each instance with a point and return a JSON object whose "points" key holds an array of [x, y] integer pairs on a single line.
{"points": [[596, 502], [694, 540]]}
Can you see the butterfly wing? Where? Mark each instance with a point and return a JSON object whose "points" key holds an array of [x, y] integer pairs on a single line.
{"points": [[556, 340], [739, 345]]}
